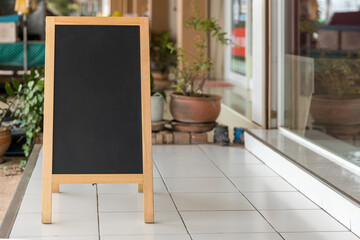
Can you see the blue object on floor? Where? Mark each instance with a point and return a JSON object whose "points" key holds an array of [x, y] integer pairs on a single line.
{"points": [[238, 135]]}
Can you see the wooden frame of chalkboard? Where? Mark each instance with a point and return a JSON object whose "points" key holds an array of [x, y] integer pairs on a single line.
{"points": [[53, 175]]}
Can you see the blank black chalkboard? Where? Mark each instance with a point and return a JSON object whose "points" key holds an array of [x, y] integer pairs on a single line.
{"points": [[97, 126], [97, 120]]}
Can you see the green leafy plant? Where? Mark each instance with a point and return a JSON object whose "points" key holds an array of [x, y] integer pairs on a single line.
{"points": [[193, 71], [22, 164], [161, 57], [8, 104], [338, 77], [65, 7], [153, 90], [29, 104]]}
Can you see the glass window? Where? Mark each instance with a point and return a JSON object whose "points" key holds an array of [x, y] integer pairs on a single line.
{"points": [[238, 35], [321, 78]]}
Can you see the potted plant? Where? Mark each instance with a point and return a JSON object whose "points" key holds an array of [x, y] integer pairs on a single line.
{"points": [[337, 101], [162, 59], [29, 105], [157, 102], [189, 103], [5, 131]]}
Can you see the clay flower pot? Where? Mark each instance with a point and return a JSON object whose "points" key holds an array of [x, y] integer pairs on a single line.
{"points": [[326, 110], [5, 141], [195, 109]]}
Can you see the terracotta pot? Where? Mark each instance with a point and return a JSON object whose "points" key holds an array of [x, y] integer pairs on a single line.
{"points": [[162, 84], [160, 76], [335, 111], [195, 109], [39, 138], [5, 141]]}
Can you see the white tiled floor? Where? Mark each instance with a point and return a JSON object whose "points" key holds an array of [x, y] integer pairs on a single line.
{"points": [[203, 192]]}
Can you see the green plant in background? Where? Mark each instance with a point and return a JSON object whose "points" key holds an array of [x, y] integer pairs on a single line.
{"points": [[65, 7], [192, 72], [9, 104], [339, 77], [29, 105], [152, 88], [161, 57]]}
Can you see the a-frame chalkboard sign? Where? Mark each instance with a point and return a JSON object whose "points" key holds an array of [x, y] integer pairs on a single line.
{"points": [[97, 123]]}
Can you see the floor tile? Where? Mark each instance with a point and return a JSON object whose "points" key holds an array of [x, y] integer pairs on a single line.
{"points": [[133, 223], [174, 148], [155, 172], [37, 172], [128, 202], [262, 184], [235, 159], [181, 159], [199, 185], [61, 203], [320, 236], [34, 186], [241, 170], [237, 236], [280, 200], [62, 238], [211, 201], [193, 170], [130, 188], [225, 222], [148, 237], [215, 149], [117, 188], [181, 155], [64, 224], [302, 221]]}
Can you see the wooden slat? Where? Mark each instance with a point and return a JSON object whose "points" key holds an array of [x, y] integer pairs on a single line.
{"points": [[97, 178], [127, 21], [48, 120], [146, 122], [55, 188], [140, 188]]}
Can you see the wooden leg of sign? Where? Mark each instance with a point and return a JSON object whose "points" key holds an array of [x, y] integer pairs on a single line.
{"points": [[46, 201], [148, 202], [55, 188], [140, 187]]}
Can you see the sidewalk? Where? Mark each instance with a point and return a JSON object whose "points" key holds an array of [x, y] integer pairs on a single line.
{"points": [[203, 192]]}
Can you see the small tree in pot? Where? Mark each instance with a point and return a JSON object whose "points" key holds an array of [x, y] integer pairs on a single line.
{"points": [[336, 103], [189, 103], [162, 59]]}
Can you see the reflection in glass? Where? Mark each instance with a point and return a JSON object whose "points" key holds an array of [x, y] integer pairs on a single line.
{"points": [[322, 73]]}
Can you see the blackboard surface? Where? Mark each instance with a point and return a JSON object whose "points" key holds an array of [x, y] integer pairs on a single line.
{"points": [[97, 125]]}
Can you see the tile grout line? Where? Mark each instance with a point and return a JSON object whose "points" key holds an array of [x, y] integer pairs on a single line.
{"points": [[172, 199], [202, 150], [97, 209]]}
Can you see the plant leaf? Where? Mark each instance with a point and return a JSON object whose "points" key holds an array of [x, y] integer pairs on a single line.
{"points": [[16, 84], [163, 94], [9, 90], [3, 100], [26, 78], [32, 73]]}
